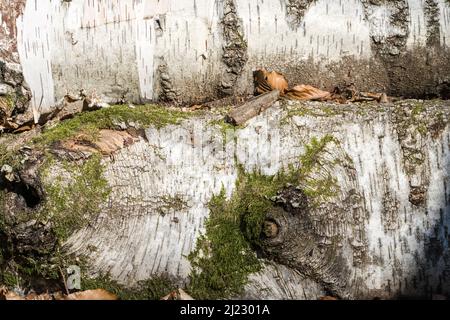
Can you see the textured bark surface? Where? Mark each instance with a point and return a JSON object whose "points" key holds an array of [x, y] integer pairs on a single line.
{"points": [[384, 235]]}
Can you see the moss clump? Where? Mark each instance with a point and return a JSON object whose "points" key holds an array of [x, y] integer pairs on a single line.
{"points": [[223, 258], [70, 206], [8, 279], [89, 123], [151, 289]]}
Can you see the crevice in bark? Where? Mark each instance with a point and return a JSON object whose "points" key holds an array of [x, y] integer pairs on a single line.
{"points": [[235, 54], [168, 93], [26, 192], [25, 186], [432, 23]]}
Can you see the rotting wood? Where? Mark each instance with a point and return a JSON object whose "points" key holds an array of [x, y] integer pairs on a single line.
{"points": [[252, 108]]}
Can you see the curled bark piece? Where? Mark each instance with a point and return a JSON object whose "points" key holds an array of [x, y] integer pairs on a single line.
{"points": [[267, 81], [252, 108]]}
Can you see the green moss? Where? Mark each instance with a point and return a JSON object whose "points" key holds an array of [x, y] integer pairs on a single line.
{"points": [[89, 123], [9, 279], [318, 188], [313, 152], [223, 258], [417, 109], [224, 126], [71, 205], [7, 102]]}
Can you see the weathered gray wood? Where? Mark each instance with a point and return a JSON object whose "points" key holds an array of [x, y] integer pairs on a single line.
{"points": [[252, 108]]}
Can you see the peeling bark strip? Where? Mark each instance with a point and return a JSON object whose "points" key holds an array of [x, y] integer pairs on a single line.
{"points": [[235, 54]]}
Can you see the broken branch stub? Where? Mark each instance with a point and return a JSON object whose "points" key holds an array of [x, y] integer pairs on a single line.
{"points": [[252, 108]]}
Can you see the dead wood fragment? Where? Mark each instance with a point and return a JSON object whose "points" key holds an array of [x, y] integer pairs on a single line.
{"points": [[252, 108], [107, 142]]}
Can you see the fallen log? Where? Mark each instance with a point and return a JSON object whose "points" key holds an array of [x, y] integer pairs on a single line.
{"points": [[252, 108]]}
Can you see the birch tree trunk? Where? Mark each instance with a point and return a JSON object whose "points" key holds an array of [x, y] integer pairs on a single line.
{"points": [[191, 51], [379, 230]]}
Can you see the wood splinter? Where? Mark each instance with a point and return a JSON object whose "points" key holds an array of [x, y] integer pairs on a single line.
{"points": [[252, 108]]}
